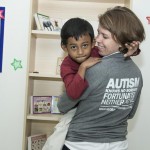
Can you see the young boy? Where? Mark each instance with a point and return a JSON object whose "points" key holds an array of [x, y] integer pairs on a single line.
{"points": [[77, 39]]}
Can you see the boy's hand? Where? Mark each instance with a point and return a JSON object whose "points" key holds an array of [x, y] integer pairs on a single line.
{"points": [[87, 64], [132, 49], [90, 62]]}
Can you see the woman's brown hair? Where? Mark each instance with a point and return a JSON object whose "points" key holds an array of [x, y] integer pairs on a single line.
{"points": [[123, 24]]}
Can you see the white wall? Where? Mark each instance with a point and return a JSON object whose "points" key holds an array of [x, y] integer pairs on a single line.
{"points": [[139, 127], [12, 83]]}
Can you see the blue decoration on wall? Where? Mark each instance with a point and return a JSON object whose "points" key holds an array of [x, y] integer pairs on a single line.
{"points": [[2, 20]]}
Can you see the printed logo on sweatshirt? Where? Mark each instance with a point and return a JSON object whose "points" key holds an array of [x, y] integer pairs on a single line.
{"points": [[119, 94]]}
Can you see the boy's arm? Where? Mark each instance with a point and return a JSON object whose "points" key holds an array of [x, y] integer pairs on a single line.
{"points": [[66, 103], [91, 61], [132, 49], [75, 83]]}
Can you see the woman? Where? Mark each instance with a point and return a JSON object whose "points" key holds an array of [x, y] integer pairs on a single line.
{"points": [[115, 84]]}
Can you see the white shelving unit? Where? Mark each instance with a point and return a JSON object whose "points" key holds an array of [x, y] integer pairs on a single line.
{"points": [[44, 49]]}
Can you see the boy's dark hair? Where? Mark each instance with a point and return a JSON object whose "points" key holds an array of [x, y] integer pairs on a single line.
{"points": [[76, 27]]}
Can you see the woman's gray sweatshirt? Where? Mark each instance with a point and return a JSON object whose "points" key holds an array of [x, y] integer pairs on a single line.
{"points": [[110, 100]]}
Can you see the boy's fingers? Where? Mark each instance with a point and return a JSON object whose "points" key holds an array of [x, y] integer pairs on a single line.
{"points": [[132, 47]]}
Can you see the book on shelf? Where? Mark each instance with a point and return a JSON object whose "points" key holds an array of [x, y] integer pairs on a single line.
{"points": [[43, 22], [36, 142], [59, 61], [54, 108], [44, 104], [40, 104]]}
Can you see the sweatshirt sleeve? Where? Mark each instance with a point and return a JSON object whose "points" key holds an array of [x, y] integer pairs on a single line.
{"points": [[74, 84]]}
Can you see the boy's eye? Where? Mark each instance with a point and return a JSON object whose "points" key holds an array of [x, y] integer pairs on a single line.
{"points": [[85, 45], [73, 47]]}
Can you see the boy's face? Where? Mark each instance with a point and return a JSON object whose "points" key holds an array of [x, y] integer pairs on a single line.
{"points": [[79, 50]]}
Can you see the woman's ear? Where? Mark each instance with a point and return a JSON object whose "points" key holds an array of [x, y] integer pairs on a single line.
{"points": [[64, 47]]}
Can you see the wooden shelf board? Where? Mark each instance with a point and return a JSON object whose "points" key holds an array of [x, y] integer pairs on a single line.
{"points": [[44, 75], [96, 1], [46, 34], [46, 117]]}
